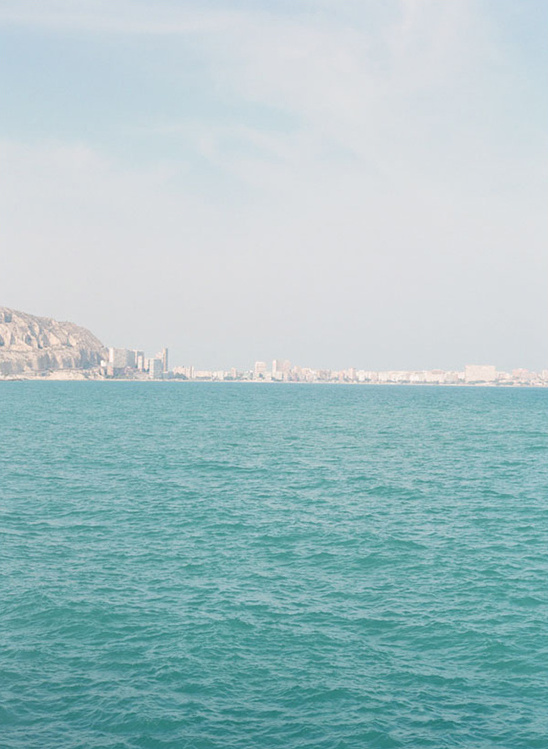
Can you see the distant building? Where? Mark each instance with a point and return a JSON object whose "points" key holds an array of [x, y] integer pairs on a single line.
{"points": [[163, 356], [185, 372], [259, 370], [155, 368], [140, 360], [323, 375], [280, 369], [434, 376], [117, 357], [480, 373], [120, 358], [523, 375]]}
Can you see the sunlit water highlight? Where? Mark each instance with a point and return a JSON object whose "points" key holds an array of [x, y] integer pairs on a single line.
{"points": [[264, 567]]}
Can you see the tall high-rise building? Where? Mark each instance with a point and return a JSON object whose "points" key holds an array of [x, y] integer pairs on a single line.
{"points": [[280, 368]]}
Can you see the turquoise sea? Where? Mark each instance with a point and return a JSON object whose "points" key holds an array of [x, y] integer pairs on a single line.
{"points": [[232, 566]]}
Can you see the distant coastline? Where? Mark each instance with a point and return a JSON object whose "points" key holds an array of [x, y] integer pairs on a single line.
{"points": [[43, 349], [178, 381]]}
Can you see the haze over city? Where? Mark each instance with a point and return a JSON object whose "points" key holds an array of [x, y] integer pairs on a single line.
{"points": [[338, 183]]}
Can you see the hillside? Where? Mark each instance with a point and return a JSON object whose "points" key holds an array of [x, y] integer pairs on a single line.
{"points": [[30, 344]]}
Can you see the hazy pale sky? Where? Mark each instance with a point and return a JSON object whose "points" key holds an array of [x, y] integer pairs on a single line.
{"points": [[336, 182]]}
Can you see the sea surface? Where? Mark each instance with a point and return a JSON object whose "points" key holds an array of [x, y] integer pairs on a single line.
{"points": [[239, 566]]}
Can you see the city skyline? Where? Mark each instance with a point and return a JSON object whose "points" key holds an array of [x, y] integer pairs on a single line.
{"points": [[37, 346], [133, 364]]}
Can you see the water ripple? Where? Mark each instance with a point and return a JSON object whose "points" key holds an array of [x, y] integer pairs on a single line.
{"points": [[201, 566]]}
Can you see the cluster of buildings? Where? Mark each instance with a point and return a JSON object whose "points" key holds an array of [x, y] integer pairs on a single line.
{"points": [[131, 364], [284, 371], [127, 364]]}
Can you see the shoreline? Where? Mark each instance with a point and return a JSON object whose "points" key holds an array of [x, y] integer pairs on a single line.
{"points": [[497, 386]]}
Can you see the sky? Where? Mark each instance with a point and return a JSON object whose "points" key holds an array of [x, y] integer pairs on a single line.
{"points": [[335, 182]]}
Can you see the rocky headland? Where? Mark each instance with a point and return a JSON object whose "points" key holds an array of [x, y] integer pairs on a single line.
{"points": [[39, 346]]}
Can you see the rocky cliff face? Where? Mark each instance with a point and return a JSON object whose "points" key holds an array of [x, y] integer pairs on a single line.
{"points": [[30, 344]]}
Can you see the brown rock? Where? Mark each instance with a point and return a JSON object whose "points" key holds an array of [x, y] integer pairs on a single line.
{"points": [[30, 344]]}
